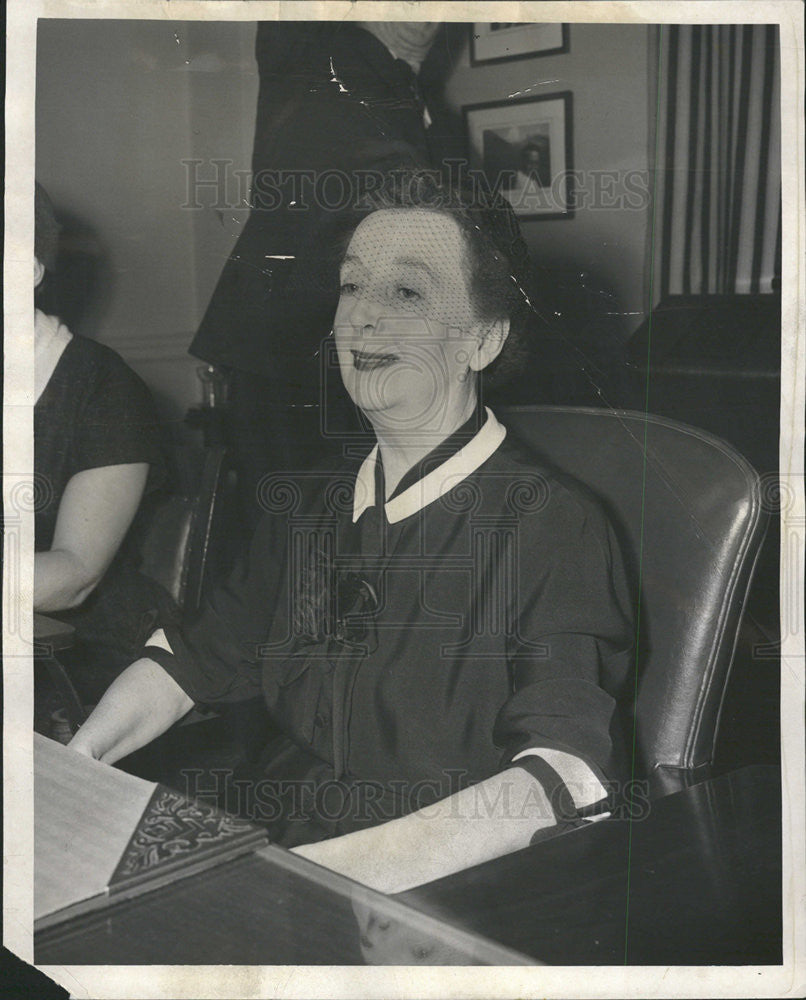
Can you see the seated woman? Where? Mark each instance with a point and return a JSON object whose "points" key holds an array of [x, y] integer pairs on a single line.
{"points": [[442, 634], [96, 452]]}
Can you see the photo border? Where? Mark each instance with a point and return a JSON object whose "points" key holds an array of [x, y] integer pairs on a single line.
{"points": [[174, 983]]}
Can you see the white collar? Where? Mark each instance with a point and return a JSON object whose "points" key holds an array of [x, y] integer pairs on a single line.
{"points": [[434, 484]]}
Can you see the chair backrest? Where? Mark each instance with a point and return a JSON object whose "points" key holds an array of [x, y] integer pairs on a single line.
{"points": [[178, 545], [164, 543], [688, 510]]}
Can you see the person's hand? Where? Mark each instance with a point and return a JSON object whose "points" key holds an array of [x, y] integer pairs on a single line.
{"points": [[81, 744]]}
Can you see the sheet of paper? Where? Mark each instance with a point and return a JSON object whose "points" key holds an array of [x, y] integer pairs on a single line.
{"points": [[86, 813]]}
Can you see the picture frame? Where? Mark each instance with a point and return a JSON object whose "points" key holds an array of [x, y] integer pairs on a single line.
{"points": [[495, 42], [524, 148]]}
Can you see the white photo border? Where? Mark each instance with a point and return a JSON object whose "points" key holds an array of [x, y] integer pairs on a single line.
{"points": [[178, 983]]}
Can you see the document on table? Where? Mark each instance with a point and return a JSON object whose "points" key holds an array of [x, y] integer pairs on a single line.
{"points": [[84, 816], [103, 835]]}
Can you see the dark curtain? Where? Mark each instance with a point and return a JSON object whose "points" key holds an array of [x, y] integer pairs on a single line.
{"points": [[717, 226]]}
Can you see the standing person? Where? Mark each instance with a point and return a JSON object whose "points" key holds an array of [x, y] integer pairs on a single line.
{"points": [[338, 104]]}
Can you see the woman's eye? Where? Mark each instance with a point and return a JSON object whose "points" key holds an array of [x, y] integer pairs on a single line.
{"points": [[408, 294], [348, 288]]}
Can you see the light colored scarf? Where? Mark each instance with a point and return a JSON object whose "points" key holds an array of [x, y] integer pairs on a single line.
{"points": [[51, 337]]}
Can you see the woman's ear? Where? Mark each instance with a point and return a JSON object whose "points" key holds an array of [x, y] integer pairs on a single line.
{"points": [[491, 339], [39, 272]]}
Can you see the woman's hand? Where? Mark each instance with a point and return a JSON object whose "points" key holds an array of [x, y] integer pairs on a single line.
{"points": [[95, 512]]}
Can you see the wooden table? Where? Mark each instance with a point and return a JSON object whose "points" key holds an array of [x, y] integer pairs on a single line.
{"points": [[696, 881], [51, 637]]}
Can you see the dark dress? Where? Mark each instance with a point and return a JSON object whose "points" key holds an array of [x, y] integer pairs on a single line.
{"points": [[417, 649], [95, 412]]}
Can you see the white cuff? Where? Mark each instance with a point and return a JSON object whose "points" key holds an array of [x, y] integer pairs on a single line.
{"points": [[583, 785]]}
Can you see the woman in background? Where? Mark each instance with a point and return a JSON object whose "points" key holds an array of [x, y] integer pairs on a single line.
{"points": [[96, 453]]}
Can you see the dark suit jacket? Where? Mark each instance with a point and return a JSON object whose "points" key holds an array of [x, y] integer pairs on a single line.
{"points": [[332, 101]]}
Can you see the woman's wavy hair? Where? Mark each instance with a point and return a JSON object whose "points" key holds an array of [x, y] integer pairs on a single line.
{"points": [[497, 263]]}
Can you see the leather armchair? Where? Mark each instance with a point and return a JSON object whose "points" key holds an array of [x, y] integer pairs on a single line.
{"points": [[688, 510], [182, 542]]}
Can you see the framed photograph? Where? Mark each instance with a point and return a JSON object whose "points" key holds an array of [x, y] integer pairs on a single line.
{"points": [[497, 41], [524, 149]]}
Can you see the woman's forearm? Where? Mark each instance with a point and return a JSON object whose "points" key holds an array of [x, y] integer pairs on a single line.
{"points": [[61, 581], [95, 512], [494, 817], [140, 704]]}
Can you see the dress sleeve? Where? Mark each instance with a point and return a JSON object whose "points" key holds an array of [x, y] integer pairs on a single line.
{"points": [[117, 422], [572, 652], [217, 656]]}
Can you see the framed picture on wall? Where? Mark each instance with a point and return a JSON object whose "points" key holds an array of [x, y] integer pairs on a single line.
{"points": [[524, 148], [498, 41]]}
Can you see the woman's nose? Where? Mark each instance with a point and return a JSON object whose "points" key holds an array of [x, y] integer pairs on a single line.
{"points": [[365, 314]]}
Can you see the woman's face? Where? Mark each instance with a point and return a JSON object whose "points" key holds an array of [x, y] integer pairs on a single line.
{"points": [[407, 333]]}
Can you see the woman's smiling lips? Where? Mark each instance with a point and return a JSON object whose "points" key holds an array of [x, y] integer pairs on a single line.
{"points": [[365, 361]]}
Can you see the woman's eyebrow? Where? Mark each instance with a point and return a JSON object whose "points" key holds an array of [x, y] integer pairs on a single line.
{"points": [[351, 258], [419, 264]]}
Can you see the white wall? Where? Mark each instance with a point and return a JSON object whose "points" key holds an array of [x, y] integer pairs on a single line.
{"points": [[120, 106], [606, 69]]}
